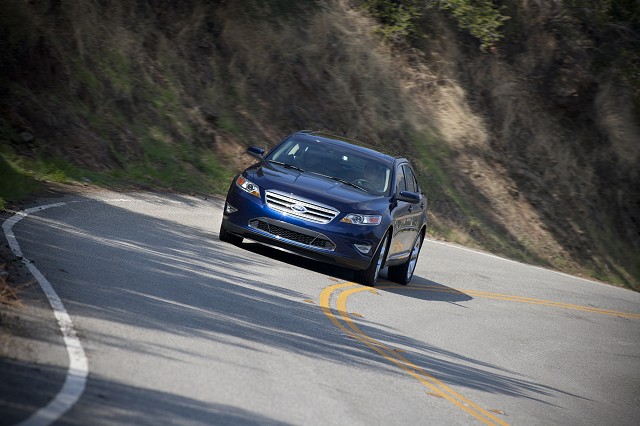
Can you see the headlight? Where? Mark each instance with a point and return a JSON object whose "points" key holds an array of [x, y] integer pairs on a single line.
{"points": [[362, 219], [248, 186]]}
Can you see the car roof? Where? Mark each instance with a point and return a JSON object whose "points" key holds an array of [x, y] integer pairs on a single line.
{"points": [[348, 143]]}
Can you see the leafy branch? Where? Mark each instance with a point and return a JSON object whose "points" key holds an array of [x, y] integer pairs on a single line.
{"points": [[481, 18]]}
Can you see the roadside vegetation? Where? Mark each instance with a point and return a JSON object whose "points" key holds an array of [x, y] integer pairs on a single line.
{"points": [[521, 120]]}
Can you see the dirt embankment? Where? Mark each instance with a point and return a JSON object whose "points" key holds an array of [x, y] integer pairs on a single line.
{"points": [[527, 149]]}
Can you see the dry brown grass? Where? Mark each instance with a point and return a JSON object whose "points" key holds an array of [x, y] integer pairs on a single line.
{"points": [[615, 118], [521, 177], [509, 166], [331, 72], [9, 292]]}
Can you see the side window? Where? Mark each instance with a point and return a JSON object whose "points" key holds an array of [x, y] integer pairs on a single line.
{"points": [[410, 179], [415, 181], [401, 182]]}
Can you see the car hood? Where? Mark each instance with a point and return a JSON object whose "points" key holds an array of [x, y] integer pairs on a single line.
{"points": [[315, 188]]}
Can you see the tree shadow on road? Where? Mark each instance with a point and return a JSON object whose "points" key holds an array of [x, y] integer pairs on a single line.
{"points": [[106, 402], [113, 263]]}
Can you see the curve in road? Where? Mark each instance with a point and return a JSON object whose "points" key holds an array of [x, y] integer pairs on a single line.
{"points": [[78, 370]]}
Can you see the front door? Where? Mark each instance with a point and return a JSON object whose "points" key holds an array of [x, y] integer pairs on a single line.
{"points": [[406, 216]]}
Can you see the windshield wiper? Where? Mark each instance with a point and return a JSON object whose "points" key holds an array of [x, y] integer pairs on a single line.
{"points": [[285, 165], [346, 182]]}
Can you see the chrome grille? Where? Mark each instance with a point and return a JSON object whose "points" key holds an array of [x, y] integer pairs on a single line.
{"points": [[319, 241], [306, 210]]}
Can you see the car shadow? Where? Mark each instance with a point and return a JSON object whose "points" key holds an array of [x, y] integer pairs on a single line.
{"points": [[288, 258], [419, 288], [423, 289]]}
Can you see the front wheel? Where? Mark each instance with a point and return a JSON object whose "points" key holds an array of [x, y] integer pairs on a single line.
{"points": [[403, 273], [369, 276], [228, 237]]}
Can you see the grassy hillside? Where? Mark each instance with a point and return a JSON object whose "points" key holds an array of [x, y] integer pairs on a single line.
{"points": [[522, 124]]}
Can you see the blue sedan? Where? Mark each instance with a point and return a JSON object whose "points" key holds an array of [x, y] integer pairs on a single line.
{"points": [[326, 198]]}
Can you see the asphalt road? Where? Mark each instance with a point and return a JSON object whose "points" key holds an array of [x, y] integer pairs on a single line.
{"points": [[180, 328]]}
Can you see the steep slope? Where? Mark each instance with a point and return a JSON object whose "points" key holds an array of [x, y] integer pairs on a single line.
{"points": [[528, 147]]}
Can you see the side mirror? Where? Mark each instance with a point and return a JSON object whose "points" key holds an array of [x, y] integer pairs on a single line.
{"points": [[256, 152], [409, 197]]}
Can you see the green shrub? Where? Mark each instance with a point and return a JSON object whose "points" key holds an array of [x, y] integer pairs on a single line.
{"points": [[397, 17], [482, 18]]}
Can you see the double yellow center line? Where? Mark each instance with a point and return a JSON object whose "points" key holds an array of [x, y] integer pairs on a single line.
{"points": [[343, 321], [351, 329]]}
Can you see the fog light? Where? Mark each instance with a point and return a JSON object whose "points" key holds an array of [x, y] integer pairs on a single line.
{"points": [[363, 248], [228, 208]]}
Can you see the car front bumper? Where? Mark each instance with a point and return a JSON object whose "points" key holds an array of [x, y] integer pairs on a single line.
{"points": [[248, 216]]}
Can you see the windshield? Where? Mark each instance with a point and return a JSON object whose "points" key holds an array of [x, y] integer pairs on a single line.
{"points": [[336, 162]]}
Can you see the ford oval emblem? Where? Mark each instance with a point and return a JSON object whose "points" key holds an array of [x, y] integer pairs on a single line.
{"points": [[299, 208]]}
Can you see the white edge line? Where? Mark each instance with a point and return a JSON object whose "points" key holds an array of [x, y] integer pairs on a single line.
{"points": [[78, 371]]}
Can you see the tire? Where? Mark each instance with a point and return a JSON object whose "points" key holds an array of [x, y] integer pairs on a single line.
{"points": [[228, 237], [369, 276], [403, 273]]}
